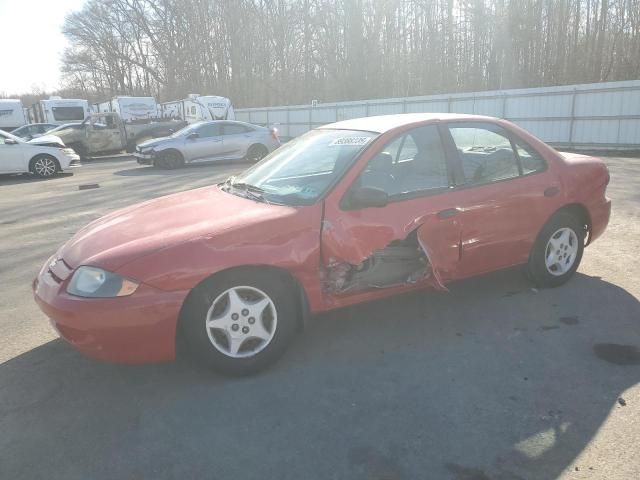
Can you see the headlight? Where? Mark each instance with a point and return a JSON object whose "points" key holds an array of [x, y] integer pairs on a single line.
{"points": [[97, 283], [68, 151]]}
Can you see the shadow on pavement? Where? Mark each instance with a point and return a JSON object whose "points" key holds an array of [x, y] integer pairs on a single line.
{"points": [[20, 178], [144, 170], [495, 380]]}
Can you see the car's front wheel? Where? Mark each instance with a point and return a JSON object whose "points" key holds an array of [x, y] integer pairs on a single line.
{"points": [[44, 166], [239, 322], [169, 160], [558, 250]]}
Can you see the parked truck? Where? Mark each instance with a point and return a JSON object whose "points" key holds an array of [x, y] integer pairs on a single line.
{"points": [[197, 108], [11, 115], [58, 110], [106, 132], [129, 108]]}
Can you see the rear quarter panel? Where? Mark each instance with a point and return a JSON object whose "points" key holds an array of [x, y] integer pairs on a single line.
{"points": [[585, 179]]}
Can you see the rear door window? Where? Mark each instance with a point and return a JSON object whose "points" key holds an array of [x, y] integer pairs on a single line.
{"points": [[210, 130], [233, 129], [530, 160], [485, 153]]}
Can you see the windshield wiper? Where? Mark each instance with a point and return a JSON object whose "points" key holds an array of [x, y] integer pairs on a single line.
{"points": [[252, 191]]}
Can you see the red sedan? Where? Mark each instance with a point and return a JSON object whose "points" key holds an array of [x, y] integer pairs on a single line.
{"points": [[347, 213]]}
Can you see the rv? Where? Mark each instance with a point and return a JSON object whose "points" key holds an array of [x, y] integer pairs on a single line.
{"points": [[196, 108], [11, 115], [58, 111], [173, 109], [129, 108]]}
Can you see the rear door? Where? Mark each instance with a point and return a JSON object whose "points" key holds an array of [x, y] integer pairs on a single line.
{"points": [[236, 139], [504, 193]]}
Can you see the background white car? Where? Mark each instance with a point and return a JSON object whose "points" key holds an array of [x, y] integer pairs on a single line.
{"points": [[44, 156]]}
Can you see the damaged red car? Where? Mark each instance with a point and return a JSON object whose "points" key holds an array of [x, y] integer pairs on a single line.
{"points": [[350, 212]]}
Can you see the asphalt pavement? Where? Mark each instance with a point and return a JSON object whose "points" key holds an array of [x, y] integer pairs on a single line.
{"points": [[492, 381]]}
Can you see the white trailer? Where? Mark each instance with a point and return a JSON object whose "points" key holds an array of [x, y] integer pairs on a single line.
{"points": [[11, 115], [196, 108], [207, 107], [173, 109], [129, 108], [59, 110]]}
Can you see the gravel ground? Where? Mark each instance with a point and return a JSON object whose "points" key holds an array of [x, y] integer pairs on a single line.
{"points": [[494, 380]]}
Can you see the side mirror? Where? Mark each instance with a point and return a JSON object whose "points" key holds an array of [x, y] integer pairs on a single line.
{"points": [[365, 197], [10, 141], [193, 135]]}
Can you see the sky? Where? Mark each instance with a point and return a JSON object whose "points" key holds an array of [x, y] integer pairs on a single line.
{"points": [[32, 43]]}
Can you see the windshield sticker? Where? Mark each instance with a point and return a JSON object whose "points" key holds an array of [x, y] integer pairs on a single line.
{"points": [[350, 141]]}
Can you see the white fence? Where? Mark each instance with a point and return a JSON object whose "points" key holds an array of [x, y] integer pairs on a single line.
{"points": [[597, 115]]}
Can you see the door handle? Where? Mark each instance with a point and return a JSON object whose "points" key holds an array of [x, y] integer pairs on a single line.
{"points": [[448, 213], [551, 191]]}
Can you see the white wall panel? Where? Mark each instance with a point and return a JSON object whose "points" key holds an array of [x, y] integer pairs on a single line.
{"points": [[546, 112]]}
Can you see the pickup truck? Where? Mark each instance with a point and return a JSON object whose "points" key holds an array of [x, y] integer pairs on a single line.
{"points": [[106, 132]]}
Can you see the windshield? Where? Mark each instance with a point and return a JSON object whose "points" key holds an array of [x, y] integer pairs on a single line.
{"points": [[301, 171], [186, 130], [9, 135]]}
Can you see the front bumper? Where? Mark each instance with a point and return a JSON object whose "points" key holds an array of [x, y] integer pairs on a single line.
{"points": [[144, 158], [72, 158], [140, 328]]}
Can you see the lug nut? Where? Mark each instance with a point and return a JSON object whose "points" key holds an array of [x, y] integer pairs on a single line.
{"points": [[245, 329], [234, 316], [235, 327], [252, 320], [245, 312]]}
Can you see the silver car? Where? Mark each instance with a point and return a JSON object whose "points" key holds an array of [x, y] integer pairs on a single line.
{"points": [[207, 142]]}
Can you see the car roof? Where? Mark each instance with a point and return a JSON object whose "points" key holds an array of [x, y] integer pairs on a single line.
{"points": [[384, 123]]}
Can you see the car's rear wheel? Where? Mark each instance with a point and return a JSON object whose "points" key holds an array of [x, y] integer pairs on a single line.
{"points": [[240, 322], [558, 250], [169, 160], [44, 166], [256, 153]]}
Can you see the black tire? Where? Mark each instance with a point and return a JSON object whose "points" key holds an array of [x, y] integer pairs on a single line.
{"points": [[81, 150], [169, 160], [196, 335], [256, 153], [44, 166], [537, 269]]}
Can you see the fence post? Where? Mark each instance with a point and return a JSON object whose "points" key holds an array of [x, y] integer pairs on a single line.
{"points": [[573, 117], [449, 100], [311, 117], [288, 122], [267, 117], [366, 108], [504, 106]]}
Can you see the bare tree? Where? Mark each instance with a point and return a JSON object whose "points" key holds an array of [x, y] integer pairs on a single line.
{"points": [[266, 52]]}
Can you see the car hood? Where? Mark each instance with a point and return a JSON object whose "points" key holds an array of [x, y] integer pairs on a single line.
{"points": [[125, 235], [47, 141], [156, 142]]}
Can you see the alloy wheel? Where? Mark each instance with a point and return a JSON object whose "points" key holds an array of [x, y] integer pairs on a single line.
{"points": [[45, 166], [241, 322], [561, 251]]}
